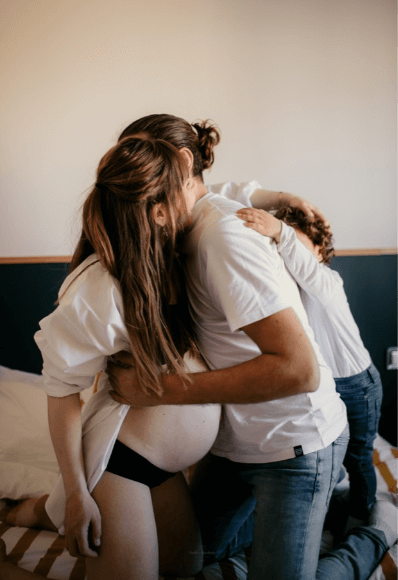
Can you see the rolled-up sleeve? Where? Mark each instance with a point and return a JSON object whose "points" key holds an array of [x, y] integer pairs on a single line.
{"points": [[241, 192], [242, 273], [85, 328]]}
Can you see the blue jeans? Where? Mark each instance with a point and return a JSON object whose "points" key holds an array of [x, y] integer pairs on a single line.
{"points": [[355, 558], [280, 508], [362, 395]]}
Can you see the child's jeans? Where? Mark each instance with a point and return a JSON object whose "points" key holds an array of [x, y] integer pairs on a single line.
{"points": [[362, 395]]}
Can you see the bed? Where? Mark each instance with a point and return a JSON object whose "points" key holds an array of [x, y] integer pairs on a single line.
{"points": [[28, 467]]}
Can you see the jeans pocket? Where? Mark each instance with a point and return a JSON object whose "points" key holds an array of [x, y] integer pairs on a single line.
{"points": [[343, 438]]}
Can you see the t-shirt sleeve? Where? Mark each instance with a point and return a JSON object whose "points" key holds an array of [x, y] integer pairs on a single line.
{"points": [[242, 272], [316, 279], [76, 338], [241, 192]]}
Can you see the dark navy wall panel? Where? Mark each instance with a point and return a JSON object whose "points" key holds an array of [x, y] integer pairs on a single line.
{"points": [[28, 293], [370, 283]]}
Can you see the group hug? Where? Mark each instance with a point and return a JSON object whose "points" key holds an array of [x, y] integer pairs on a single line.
{"points": [[222, 340]]}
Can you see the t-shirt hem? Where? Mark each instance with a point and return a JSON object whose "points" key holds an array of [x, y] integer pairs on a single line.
{"points": [[288, 453]]}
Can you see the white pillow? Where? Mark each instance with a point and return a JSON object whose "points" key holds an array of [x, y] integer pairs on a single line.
{"points": [[28, 465], [20, 481]]}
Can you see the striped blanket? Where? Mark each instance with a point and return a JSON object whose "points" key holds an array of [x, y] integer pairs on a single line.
{"points": [[44, 552]]}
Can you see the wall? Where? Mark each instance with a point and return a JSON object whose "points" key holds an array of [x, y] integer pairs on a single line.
{"points": [[303, 90], [29, 292]]}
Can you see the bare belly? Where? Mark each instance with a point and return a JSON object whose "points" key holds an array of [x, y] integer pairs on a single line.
{"points": [[172, 437]]}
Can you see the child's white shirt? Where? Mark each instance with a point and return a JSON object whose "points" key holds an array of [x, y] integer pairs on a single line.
{"points": [[324, 299]]}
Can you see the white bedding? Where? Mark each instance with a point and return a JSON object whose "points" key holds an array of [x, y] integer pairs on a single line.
{"points": [[28, 468]]}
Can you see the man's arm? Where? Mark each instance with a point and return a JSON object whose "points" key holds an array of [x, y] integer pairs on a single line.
{"points": [[286, 366]]}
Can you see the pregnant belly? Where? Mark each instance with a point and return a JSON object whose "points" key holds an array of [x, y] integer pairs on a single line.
{"points": [[171, 437]]}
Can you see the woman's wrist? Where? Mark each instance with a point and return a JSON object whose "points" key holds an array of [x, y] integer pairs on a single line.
{"points": [[79, 492]]}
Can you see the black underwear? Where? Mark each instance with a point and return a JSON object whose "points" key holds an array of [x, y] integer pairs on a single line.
{"points": [[131, 465]]}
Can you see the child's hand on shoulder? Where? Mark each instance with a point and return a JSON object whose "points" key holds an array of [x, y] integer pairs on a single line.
{"points": [[261, 221]]}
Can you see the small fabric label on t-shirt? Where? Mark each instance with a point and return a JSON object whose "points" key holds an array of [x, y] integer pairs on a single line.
{"points": [[298, 450]]}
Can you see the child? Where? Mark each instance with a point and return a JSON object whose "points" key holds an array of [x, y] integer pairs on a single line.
{"points": [[306, 247]]}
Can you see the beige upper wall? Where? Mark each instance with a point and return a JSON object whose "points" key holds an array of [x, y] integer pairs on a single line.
{"points": [[303, 91]]}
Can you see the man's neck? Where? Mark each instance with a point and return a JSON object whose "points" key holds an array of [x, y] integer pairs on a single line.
{"points": [[201, 191]]}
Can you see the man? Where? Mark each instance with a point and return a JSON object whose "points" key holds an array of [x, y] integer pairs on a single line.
{"points": [[282, 434]]}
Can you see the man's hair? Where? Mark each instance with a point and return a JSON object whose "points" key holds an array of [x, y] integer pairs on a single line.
{"points": [[316, 229], [200, 137]]}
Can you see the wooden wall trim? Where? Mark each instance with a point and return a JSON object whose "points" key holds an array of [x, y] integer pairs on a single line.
{"points": [[66, 259], [36, 260], [368, 252]]}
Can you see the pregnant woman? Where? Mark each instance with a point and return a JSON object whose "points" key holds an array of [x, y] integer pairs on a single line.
{"points": [[119, 492]]}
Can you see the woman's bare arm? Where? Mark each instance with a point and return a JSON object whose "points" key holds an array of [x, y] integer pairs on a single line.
{"points": [[82, 516]]}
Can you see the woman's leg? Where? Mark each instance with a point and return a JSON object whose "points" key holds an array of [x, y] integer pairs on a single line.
{"points": [[129, 547], [180, 545], [30, 513]]}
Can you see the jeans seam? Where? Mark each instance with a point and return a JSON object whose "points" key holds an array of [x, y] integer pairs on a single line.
{"points": [[307, 527]]}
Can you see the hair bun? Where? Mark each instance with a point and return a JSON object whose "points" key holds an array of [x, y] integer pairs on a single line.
{"points": [[208, 137]]}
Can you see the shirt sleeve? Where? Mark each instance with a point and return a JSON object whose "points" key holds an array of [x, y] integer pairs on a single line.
{"points": [[242, 273], [316, 279], [85, 328], [241, 192]]}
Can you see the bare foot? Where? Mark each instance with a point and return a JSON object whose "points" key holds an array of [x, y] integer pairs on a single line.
{"points": [[23, 514], [30, 513], [3, 553], [5, 510]]}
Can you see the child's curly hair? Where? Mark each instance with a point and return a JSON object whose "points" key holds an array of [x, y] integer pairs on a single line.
{"points": [[315, 229]]}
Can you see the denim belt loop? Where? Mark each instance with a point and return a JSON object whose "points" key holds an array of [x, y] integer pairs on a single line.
{"points": [[372, 372]]}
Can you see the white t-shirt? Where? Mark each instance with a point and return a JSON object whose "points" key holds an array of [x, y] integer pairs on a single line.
{"points": [[235, 277], [240, 192], [75, 339], [322, 294], [328, 311]]}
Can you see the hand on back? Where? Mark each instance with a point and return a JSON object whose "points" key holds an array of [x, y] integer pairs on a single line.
{"points": [[261, 221]]}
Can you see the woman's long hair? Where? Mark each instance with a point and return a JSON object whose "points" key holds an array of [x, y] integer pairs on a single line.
{"points": [[119, 226]]}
